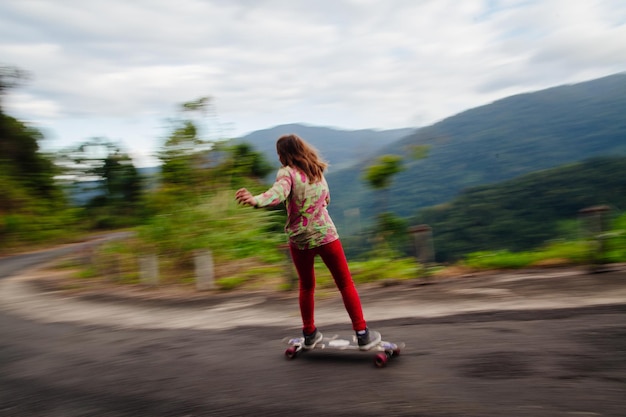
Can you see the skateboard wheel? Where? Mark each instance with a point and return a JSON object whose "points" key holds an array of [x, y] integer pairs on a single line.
{"points": [[380, 360], [291, 352], [395, 352]]}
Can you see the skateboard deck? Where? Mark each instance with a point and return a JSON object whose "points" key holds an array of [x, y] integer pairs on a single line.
{"points": [[383, 350]]}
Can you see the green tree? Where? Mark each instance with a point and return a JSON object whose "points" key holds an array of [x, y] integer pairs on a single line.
{"points": [[380, 174], [123, 182], [21, 162], [240, 163], [185, 153], [101, 167], [391, 229], [33, 207]]}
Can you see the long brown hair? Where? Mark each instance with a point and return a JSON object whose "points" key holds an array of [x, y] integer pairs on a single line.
{"points": [[293, 151]]}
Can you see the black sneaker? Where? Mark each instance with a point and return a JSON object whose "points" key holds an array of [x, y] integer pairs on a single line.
{"points": [[312, 339], [368, 340]]}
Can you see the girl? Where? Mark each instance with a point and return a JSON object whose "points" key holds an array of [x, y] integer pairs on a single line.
{"points": [[300, 183]]}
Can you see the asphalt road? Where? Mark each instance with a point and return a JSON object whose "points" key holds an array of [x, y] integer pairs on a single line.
{"points": [[565, 361]]}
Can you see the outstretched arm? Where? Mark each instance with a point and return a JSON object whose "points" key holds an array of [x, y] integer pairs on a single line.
{"points": [[272, 197]]}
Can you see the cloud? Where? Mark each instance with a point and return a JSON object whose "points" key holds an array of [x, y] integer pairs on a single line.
{"points": [[36, 106], [345, 63]]}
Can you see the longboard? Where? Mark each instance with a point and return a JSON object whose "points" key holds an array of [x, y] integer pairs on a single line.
{"points": [[384, 350]]}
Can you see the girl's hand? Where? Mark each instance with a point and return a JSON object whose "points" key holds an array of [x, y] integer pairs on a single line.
{"points": [[245, 197]]}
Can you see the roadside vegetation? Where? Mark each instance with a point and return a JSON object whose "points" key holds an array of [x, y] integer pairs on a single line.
{"points": [[188, 207]]}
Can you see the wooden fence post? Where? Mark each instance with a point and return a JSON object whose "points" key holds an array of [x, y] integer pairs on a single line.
{"points": [[205, 271], [424, 246], [292, 277], [149, 270]]}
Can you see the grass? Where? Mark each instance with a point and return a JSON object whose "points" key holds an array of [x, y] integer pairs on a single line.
{"points": [[377, 269], [260, 276], [557, 253], [230, 283], [86, 272]]}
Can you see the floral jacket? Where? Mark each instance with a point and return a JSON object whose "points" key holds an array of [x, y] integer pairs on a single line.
{"points": [[308, 223]]}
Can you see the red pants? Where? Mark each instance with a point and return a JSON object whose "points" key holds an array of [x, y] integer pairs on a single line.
{"points": [[333, 256]]}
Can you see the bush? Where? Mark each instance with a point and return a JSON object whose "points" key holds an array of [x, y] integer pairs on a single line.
{"points": [[375, 269], [217, 224], [568, 252]]}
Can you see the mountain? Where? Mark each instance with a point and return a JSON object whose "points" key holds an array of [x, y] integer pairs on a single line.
{"points": [[341, 148], [502, 140]]}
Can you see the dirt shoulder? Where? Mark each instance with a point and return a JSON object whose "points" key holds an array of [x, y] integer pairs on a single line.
{"points": [[564, 282], [538, 288], [50, 293]]}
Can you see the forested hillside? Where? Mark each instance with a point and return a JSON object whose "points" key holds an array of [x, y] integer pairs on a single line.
{"points": [[526, 212], [492, 143]]}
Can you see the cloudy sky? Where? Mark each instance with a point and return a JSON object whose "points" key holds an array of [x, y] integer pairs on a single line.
{"points": [[119, 69]]}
